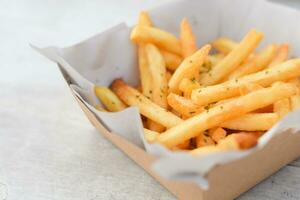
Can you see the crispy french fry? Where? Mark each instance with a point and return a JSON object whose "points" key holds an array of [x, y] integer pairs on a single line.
{"points": [[183, 105], [295, 102], [281, 55], [160, 38], [146, 107], [150, 136], [217, 134], [252, 122], [168, 76], [204, 140], [257, 63], [282, 107], [224, 45], [215, 59], [146, 79], [188, 85], [189, 68], [172, 60], [285, 71], [109, 99], [184, 146], [233, 59], [187, 39], [144, 19], [232, 142], [158, 73], [213, 117]]}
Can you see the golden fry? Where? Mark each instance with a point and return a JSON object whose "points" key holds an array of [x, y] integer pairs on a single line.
{"points": [[204, 140], [281, 55], [282, 107], [144, 19], [146, 107], [213, 117], [146, 79], [233, 59], [172, 60], [285, 71], [189, 68], [252, 122], [162, 39], [188, 85], [187, 39], [224, 45], [217, 134], [109, 99], [150, 136], [295, 102]]}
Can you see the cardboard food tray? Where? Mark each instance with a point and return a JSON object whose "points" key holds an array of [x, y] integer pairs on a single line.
{"points": [[226, 181]]}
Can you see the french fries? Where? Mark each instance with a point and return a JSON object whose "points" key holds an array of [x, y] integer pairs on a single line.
{"points": [[257, 63], [252, 122], [189, 68], [283, 72], [233, 59], [224, 45], [132, 97], [109, 99], [199, 102], [160, 38], [187, 39], [193, 127]]}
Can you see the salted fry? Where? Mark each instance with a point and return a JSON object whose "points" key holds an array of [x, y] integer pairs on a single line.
{"points": [[109, 99], [252, 122], [150, 136], [257, 63], [188, 85], [146, 79], [160, 38], [172, 60], [187, 39], [236, 141], [217, 134], [213, 117], [215, 59], [204, 140], [132, 97], [158, 73], [281, 55], [285, 71], [189, 68], [144, 19], [184, 106], [282, 107], [224, 45], [233, 59]]}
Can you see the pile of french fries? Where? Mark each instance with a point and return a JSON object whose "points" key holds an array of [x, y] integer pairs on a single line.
{"points": [[201, 102]]}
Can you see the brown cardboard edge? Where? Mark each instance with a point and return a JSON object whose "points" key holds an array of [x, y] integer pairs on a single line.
{"points": [[227, 181]]}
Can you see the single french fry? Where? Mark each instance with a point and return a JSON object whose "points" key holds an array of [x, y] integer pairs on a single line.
{"points": [[224, 45], [281, 55], [233, 59], [189, 68], [245, 89], [109, 99], [285, 71], [162, 39], [213, 117], [184, 146], [150, 136], [146, 79], [132, 97], [172, 60], [187, 39], [188, 85], [168, 76], [252, 122], [295, 102], [184, 106], [144, 19], [235, 141], [282, 107], [158, 73], [204, 140], [217, 134], [257, 63]]}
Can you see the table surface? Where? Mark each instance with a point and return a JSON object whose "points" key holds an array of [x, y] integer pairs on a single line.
{"points": [[48, 149]]}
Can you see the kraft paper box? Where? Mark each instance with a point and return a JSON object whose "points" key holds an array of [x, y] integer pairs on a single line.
{"points": [[110, 55]]}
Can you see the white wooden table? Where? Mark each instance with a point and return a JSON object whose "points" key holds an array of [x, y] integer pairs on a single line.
{"points": [[48, 149]]}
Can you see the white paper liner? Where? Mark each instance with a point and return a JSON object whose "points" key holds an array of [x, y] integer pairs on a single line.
{"points": [[110, 55]]}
